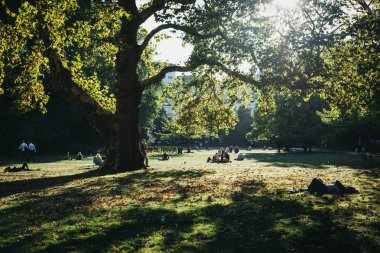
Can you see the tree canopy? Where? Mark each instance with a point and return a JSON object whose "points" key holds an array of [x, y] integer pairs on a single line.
{"points": [[100, 58]]}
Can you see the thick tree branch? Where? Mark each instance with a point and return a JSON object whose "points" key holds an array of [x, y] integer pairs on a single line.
{"points": [[64, 83], [129, 6], [158, 5], [185, 29], [157, 78], [66, 86], [161, 75], [233, 73]]}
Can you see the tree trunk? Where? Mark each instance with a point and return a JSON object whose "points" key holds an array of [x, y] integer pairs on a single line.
{"points": [[120, 131], [129, 93]]}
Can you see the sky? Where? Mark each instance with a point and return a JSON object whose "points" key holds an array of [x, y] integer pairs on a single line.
{"points": [[170, 50]]}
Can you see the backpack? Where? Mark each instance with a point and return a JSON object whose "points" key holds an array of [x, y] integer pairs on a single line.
{"points": [[317, 186]]}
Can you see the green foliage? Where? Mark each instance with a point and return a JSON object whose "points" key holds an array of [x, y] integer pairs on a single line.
{"points": [[205, 106], [288, 119], [237, 135], [150, 112]]}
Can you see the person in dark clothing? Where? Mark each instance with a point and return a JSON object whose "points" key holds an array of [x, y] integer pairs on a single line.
{"points": [[32, 152], [226, 158], [79, 156], [68, 156], [15, 169], [144, 149], [215, 158], [24, 151], [165, 157]]}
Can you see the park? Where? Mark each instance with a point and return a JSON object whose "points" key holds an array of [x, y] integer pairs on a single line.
{"points": [[189, 126]]}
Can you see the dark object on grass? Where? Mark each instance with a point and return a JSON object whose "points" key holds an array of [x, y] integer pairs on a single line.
{"points": [[165, 157], [209, 160]]}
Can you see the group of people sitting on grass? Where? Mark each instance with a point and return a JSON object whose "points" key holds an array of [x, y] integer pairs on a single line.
{"points": [[78, 157], [223, 156], [97, 159]]}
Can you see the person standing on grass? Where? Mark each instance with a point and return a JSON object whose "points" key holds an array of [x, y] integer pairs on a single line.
{"points": [[32, 152], [144, 148], [24, 150]]}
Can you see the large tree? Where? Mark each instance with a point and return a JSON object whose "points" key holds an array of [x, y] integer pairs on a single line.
{"points": [[55, 37]]}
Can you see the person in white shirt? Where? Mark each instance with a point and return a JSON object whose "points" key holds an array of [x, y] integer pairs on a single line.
{"points": [[32, 152], [24, 150]]}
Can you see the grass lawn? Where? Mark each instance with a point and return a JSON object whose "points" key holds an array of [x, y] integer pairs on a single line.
{"points": [[187, 205]]}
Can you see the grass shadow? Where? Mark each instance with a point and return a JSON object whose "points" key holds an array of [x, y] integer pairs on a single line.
{"points": [[36, 184], [249, 223], [317, 160]]}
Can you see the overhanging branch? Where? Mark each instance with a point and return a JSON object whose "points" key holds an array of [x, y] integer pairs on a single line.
{"points": [[161, 75], [157, 78], [158, 5], [68, 88], [233, 73], [184, 29]]}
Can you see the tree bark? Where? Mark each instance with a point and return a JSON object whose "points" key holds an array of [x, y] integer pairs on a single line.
{"points": [[121, 131], [129, 93]]}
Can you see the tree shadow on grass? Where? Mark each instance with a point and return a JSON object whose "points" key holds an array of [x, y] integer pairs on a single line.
{"points": [[35, 184], [27, 185], [316, 160], [10, 161], [248, 223]]}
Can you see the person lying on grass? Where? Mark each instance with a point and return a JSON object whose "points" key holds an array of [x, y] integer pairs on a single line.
{"points": [[15, 169]]}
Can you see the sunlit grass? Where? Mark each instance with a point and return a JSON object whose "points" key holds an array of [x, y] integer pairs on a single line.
{"points": [[188, 205]]}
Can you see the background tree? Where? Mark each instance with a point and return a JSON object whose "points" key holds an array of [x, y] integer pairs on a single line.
{"points": [[289, 120], [352, 85], [237, 135]]}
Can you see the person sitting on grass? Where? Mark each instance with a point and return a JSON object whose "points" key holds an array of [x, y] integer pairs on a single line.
{"points": [[15, 169], [165, 157], [240, 157], [209, 160], [215, 158], [68, 156], [79, 156], [226, 158], [97, 160]]}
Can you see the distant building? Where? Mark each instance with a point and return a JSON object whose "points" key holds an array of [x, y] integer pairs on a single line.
{"points": [[169, 78]]}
